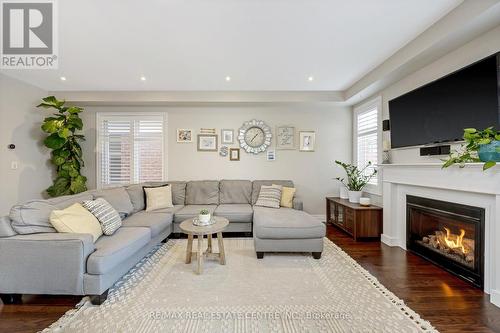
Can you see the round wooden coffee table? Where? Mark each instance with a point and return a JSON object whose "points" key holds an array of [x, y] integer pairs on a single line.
{"points": [[192, 230]]}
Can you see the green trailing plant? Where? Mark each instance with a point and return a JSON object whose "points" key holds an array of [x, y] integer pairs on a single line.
{"points": [[468, 152], [204, 212], [356, 178], [66, 153]]}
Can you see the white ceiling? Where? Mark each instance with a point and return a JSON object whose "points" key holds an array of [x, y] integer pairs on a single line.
{"points": [[260, 44]]}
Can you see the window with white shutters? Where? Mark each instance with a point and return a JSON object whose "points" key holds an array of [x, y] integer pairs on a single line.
{"points": [[131, 148], [367, 138]]}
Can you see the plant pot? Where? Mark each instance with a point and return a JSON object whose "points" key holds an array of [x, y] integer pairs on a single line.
{"points": [[204, 218], [489, 152], [354, 196], [344, 194]]}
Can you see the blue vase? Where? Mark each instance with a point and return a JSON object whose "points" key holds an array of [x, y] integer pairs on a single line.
{"points": [[489, 152]]}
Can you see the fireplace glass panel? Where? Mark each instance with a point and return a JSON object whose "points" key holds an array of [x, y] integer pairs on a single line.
{"points": [[444, 235], [450, 235]]}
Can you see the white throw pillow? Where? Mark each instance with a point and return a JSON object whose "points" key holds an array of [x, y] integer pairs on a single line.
{"points": [[158, 197], [76, 219], [269, 196]]}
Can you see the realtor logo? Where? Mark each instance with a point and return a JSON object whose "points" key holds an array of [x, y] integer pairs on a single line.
{"points": [[28, 35]]}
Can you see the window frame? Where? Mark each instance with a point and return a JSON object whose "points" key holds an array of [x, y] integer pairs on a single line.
{"points": [[104, 114], [359, 109]]}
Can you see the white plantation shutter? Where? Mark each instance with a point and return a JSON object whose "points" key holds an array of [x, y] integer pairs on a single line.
{"points": [[131, 148], [367, 139]]}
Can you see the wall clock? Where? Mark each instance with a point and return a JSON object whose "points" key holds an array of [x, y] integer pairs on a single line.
{"points": [[254, 136]]}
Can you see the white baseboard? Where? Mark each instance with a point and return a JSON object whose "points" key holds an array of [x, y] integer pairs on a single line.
{"points": [[495, 297], [388, 240]]}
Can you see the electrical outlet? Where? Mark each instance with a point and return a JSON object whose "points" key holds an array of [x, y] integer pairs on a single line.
{"points": [[14, 165]]}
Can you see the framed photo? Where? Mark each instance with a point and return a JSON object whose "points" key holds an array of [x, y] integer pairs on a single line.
{"points": [[234, 154], [207, 142], [285, 137], [227, 136], [307, 140], [271, 155], [184, 135]]}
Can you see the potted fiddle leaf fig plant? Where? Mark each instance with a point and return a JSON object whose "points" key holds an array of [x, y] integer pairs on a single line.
{"points": [[479, 146], [63, 138], [356, 179]]}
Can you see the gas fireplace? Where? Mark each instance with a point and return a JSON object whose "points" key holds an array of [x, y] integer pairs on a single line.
{"points": [[448, 234]]}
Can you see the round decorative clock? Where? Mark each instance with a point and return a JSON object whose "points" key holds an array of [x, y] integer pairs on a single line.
{"points": [[254, 136]]}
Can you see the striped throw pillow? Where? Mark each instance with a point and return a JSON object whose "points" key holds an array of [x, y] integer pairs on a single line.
{"points": [[107, 216], [269, 196]]}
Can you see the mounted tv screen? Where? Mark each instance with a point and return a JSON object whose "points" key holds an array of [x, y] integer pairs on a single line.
{"points": [[440, 110]]}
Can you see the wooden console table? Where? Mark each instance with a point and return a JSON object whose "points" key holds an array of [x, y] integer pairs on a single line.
{"points": [[358, 221]]}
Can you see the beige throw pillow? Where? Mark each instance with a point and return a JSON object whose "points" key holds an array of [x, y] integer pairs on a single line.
{"points": [[76, 219], [287, 194], [158, 197]]}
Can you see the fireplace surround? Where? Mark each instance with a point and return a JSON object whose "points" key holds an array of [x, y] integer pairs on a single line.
{"points": [[469, 185], [448, 234]]}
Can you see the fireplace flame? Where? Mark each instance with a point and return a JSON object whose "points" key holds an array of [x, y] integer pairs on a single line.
{"points": [[455, 241]]}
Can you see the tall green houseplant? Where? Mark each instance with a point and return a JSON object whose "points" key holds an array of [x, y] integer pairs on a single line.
{"points": [[66, 152]]}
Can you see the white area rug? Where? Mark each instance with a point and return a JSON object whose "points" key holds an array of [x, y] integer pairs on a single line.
{"points": [[280, 293]]}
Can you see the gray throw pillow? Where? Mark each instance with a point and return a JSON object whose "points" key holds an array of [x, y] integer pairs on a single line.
{"points": [[107, 216], [269, 196]]}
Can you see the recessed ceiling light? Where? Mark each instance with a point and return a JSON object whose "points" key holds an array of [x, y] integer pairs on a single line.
{"points": [[63, 78], [143, 78], [310, 78], [228, 78]]}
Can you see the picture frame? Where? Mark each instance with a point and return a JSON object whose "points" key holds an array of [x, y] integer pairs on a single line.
{"points": [[307, 141], [207, 142], [234, 154], [184, 135], [227, 136], [285, 137], [271, 155]]}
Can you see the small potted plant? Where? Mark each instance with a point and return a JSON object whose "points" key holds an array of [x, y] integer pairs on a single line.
{"points": [[479, 146], [204, 216], [356, 179]]}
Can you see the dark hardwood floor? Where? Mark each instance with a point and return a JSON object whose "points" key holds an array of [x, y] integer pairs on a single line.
{"points": [[449, 303]]}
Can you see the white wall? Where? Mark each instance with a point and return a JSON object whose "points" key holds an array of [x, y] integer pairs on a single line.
{"points": [[477, 49], [20, 124], [312, 172]]}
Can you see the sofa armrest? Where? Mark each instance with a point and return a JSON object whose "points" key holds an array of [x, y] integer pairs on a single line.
{"points": [[46, 263], [298, 204]]}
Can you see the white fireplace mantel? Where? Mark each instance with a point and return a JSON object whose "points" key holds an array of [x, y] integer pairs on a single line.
{"points": [[469, 186]]}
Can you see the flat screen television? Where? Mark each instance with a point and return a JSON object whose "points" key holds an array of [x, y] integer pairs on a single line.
{"points": [[439, 111]]}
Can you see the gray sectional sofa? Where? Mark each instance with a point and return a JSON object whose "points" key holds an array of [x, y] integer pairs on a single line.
{"points": [[35, 259]]}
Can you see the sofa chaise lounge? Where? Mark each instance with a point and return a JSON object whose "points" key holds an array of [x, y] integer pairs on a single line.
{"points": [[35, 259]]}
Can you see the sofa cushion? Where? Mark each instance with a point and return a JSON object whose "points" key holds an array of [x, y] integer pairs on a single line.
{"points": [[157, 221], [33, 216], [235, 191], [118, 198], [235, 212], [286, 223], [136, 194], [256, 184], [113, 250], [202, 192], [190, 211]]}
